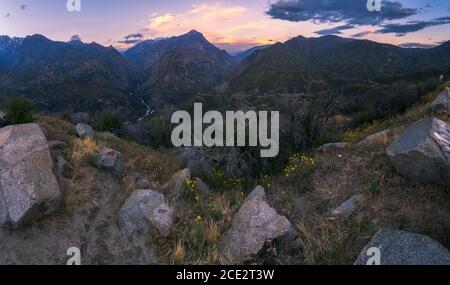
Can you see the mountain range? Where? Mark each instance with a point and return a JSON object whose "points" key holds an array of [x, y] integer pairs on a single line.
{"points": [[311, 63], [68, 77]]}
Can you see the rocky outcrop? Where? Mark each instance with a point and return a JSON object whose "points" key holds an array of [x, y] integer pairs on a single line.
{"points": [[380, 138], [142, 183], [61, 164], [254, 224], [347, 208], [144, 211], [333, 146], [174, 187], [422, 152], [442, 102], [111, 160], [80, 117], [54, 145], [84, 130], [28, 187], [403, 248]]}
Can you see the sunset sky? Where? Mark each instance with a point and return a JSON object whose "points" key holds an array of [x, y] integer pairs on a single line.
{"points": [[233, 25]]}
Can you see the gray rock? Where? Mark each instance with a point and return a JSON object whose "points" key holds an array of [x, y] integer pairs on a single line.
{"points": [[333, 146], [142, 183], [143, 211], [81, 117], [422, 152], [347, 208], [380, 138], [28, 187], [84, 130], [442, 102], [2, 115], [61, 164], [254, 224], [57, 145], [175, 185], [111, 160], [404, 248]]}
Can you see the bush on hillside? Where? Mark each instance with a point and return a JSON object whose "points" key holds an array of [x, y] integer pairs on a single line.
{"points": [[108, 122], [18, 110]]}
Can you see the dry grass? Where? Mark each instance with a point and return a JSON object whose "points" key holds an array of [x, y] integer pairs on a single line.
{"points": [[84, 151], [179, 253], [212, 232], [391, 201]]}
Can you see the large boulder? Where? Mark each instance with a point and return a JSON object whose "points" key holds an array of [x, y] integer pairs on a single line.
{"points": [[422, 152], [144, 211], [254, 224], [28, 187], [442, 102], [111, 160], [84, 130], [404, 248]]}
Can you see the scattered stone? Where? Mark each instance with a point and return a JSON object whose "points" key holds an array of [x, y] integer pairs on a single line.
{"points": [[142, 183], [143, 211], [380, 138], [80, 117], [201, 186], [442, 102], [175, 185], [28, 187], [84, 130], [254, 224], [422, 152], [53, 145], [347, 208], [61, 164], [404, 248], [333, 146], [110, 159]]}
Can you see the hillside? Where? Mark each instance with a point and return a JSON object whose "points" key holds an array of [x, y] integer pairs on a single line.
{"points": [[177, 68], [207, 212], [337, 61], [66, 78]]}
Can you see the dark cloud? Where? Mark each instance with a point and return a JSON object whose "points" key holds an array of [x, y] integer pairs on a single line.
{"points": [[132, 38], [334, 31], [8, 15], [129, 41], [363, 34], [353, 12], [23, 7], [403, 29]]}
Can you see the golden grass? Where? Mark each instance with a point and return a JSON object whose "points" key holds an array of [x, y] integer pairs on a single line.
{"points": [[84, 150], [179, 253], [212, 232]]}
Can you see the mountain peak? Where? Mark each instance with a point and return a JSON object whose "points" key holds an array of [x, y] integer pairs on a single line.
{"points": [[194, 33]]}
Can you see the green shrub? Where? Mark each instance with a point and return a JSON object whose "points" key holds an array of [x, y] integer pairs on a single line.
{"points": [[108, 122], [159, 130], [18, 110]]}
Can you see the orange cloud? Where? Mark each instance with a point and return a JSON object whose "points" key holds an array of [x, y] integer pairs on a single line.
{"points": [[225, 25]]}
